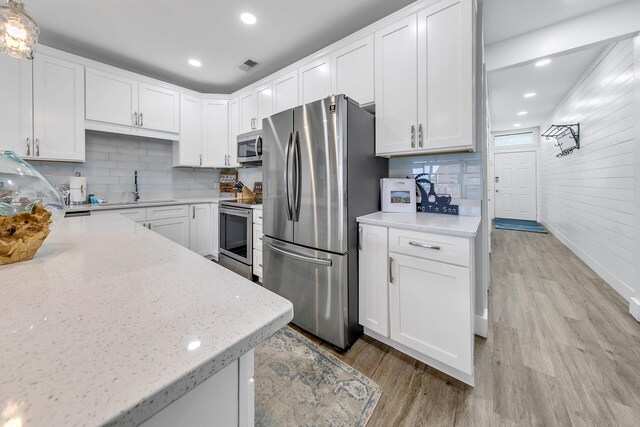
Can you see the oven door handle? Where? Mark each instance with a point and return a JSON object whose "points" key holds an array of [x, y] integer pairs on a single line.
{"points": [[236, 212], [321, 261]]}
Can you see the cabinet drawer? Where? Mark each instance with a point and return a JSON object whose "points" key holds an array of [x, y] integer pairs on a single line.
{"points": [[257, 263], [257, 216], [135, 215], [257, 236], [165, 212], [452, 250]]}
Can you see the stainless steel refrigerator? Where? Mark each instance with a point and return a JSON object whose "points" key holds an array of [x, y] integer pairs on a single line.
{"points": [[319, 173]]}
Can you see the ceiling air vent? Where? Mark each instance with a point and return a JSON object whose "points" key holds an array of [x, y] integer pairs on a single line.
{"points": [[248, 64]]}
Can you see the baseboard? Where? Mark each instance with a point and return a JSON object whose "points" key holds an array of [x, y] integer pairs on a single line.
{"points": [[481, 324], [612, 280], [634, 308]]}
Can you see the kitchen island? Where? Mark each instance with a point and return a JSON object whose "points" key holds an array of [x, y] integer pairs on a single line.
{"points": [[113, 324]]}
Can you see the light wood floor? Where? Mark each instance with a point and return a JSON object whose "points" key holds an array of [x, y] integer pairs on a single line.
{"points": [[562, 350]]}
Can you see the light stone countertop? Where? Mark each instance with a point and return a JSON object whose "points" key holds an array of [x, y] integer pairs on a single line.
{"points": [[96, 329], [450, 225], [148, 203]]}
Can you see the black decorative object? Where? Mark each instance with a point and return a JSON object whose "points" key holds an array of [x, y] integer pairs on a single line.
{"points": [[432, 202], [567, 137]]}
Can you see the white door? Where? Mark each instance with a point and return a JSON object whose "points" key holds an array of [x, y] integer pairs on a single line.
{"points": [[445, 76], [234, 131], [159, 108], [353, 71], [247, 103], [373, 278], [16, 121], [315, 80], [430, 309], [174, 229], [215, 142], [111, 98], [215, 231], [201, 229], [190, 145], [396, 87], [285, 92], [515, 185], [264, 104], [58, 109]]}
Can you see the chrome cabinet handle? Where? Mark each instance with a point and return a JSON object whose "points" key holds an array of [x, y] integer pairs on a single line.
{"points": [[422, 245], [200, 159], [260, 238], [320, 261], [413, 136], [360, 238], [260, 265], [390, 270], [141, 125], [135, 118], [194, 212], [259, 217], [420, 136], [28, 147], [37, 149]]}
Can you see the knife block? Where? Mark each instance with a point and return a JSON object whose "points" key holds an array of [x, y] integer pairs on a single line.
{"points": [[246, 194]]}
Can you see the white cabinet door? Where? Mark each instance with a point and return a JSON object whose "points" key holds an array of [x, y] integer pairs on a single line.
{"points": [[58, 109], [234, 131], [111, 98], [396, 87], [16, 114], [215, 230], [190, 144], [264, 104], [373, 278], [174, 229], [445, 76], [159, 108], [285, 92], [352, 71], [315, 80], [215, 141], [430, 306], [247, 112], [201, 229]]}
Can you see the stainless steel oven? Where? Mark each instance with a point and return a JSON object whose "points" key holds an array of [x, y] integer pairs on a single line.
{"points": [[236, 239], [250, 147]]}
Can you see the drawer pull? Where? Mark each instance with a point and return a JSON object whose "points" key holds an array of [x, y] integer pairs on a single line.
{"points": [[260, 265], [390, 270], [422, 245], [260, 238], [259, 217]]}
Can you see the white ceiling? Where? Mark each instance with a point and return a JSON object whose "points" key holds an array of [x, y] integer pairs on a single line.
{"points": [[157, 37], [508, 18], [550, 83]]}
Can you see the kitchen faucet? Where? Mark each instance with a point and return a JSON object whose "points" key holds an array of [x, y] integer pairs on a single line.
{"points": [[135, 192]]}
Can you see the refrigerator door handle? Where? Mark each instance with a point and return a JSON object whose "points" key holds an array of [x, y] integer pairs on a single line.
{"points": [[296, 165], [312, 260], [287, 176]]}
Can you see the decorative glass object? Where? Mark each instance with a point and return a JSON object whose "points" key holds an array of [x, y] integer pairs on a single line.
{"points": [[29, 204], [18, 31]]}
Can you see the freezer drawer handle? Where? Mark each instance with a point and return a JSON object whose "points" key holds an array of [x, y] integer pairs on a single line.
{"points": [[422, 245], [302, 257]]}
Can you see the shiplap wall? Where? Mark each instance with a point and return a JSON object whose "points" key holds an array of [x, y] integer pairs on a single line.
{"points": [[587, 198]]}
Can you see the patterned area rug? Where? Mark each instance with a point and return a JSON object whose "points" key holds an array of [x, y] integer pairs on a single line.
{"points": [[520, 225], [300, 384]]}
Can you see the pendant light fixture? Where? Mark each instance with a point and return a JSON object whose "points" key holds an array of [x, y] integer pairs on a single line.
{"points": [[18, 31]]}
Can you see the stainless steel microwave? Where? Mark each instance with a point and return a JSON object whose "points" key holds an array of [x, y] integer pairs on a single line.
{"points": [[250, 147]]}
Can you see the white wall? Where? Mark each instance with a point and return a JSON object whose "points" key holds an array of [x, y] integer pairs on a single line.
{"points": [[588, 197]]}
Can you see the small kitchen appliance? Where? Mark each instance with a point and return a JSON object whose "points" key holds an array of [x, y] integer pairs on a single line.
{"points": [[250, 148]]}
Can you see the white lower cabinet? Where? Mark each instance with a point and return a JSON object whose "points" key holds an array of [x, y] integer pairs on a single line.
{"points": [[174, 229], [200, 218], [416, 294]]}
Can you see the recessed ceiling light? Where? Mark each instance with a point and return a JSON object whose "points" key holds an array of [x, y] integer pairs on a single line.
{"points": [[543, 62], [522, 113], [248, 18], [516, 125], [195, 63], [529, 95]]}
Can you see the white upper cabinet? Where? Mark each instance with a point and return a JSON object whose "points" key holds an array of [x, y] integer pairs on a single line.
{"points": [[215, 142], [285, 92], [352, 71], [445, 76], [315, 80], [396, 87], [132, 105], [159, 108], [424, 81], [248, 111], [264, 103], [111, 98], [58, 109], [16, 121], [190, 144], [234, 131]]}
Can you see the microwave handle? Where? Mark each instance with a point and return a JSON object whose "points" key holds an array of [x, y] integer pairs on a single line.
{"points": [[257, 142]]}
